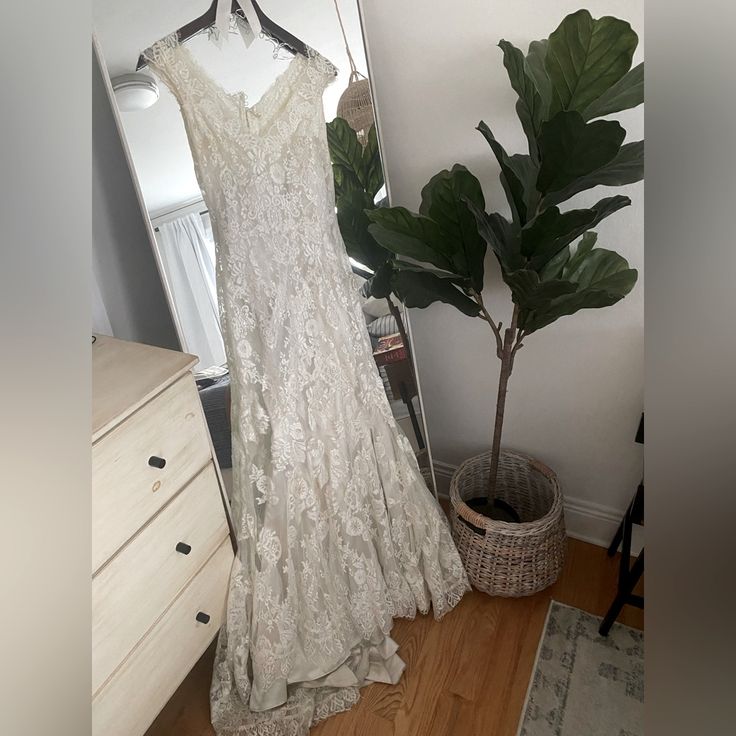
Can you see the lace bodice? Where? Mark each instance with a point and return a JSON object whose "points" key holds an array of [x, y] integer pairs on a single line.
{"points": [[337, 532]]}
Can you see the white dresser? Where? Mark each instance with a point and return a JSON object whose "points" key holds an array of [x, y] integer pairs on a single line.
{"points": [[161, 549]]}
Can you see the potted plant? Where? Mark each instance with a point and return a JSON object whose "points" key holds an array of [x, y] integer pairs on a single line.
{"points": [[507, 508]]}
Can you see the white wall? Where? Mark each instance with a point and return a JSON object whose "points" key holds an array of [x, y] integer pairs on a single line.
{"points": [[577, 390]]}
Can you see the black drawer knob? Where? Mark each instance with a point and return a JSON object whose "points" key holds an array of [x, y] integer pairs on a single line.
{"points": [[156, 462], [184, 548], [203, 618]]}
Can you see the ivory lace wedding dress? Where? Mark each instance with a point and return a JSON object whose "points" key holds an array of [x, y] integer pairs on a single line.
{"points": [[336, 529]]}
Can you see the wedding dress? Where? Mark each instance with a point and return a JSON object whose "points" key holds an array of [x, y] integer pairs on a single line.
{"points": [[336, 529]]}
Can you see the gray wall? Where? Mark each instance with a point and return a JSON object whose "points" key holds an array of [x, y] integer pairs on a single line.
{"points": [[123, 262]]}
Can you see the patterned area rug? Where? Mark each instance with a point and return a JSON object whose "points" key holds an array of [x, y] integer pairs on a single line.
{"points": [[585, 684]]}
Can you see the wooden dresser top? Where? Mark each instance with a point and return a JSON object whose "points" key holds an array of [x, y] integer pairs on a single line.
{"points": [[125, 375]]}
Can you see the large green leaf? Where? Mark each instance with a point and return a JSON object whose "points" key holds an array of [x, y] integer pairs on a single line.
{"points": [[570, 149], [576, 258], [421, 288], [587, 56], [345, 181], [406, 234], [354, 224], [627, 167], [550, 225], [527, 170], [518, 175], [371, 163], [628, 92], [602, 278], [502, 235], [534, 66], [354, 166], [379, 285], [444, 200], [344, 146], [553, 230], [444, 233], [402, 265], [597, 268], [529, 292], [530, 107], [555, 266]]}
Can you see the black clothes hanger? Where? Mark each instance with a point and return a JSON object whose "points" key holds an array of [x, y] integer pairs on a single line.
{"points": [[207, 20]]}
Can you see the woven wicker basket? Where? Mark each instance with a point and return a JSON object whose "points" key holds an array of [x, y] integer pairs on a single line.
{"points": [[509, 559]]}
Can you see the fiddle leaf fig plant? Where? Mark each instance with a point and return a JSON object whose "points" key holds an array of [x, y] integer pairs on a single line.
{"points": [[548, 257]]}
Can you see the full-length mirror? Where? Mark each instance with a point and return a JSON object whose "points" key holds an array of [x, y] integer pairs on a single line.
{"points": [[241, 68]]}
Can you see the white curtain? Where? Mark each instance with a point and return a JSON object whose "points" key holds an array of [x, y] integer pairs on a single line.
{"points": [[188, 258]]}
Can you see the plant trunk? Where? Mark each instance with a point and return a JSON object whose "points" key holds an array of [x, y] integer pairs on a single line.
{"points": [[507, 359]]}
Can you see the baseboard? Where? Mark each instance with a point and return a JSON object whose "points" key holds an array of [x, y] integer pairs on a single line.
{"points": [[596, 523], [584, 520], [443, 473]]}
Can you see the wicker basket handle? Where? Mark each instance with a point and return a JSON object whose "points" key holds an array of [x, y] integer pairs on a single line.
{"points": [[540, 468]]}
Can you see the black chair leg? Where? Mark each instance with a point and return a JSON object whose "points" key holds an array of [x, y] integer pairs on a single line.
{"points": [[624, 595], [617, 537]]}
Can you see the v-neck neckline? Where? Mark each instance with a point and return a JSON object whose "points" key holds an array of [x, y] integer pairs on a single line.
{"points": [[240, 95]]}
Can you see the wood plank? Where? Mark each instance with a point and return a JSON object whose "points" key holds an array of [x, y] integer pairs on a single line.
{"points": [[453, 716], [385, 700], [438, 656], [481, 623], [372, 725]]}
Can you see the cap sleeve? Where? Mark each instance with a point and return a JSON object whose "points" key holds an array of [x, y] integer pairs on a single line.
{"points": [[171, 63], [322, 72]]}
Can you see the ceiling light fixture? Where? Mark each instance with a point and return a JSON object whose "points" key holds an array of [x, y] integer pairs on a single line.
{"points": [[135, 92]]}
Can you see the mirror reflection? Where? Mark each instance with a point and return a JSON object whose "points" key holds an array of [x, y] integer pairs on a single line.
{"points": [[246, 71]]}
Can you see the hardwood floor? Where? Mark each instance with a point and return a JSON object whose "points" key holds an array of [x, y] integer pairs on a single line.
{"points": [[467, 674]]}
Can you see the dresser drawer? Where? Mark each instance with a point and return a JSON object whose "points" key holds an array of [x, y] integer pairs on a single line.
{"points": [[129, 702], [128, 484], [131, 592]]}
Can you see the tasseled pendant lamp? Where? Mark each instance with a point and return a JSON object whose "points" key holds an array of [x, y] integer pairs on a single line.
{"points": [[355, 105]]}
